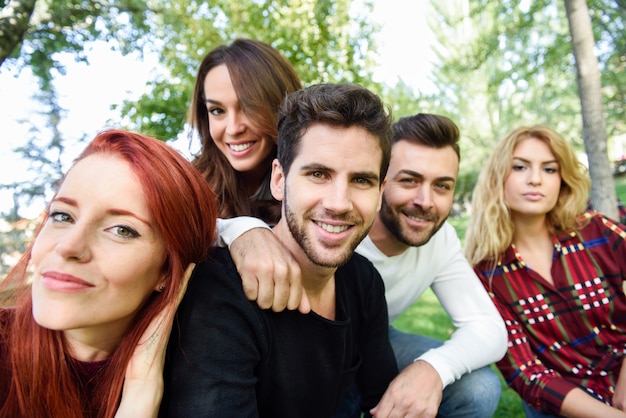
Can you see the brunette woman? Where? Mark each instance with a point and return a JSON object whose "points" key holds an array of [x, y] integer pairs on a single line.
{"points": [[236, 97]]}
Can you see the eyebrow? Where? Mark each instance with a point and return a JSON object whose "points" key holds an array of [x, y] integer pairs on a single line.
{"points": [[212, 101], [421, 176], [528, 161], [365, 174], [113, 211]]}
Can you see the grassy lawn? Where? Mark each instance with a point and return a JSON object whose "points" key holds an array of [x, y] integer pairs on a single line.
{"points": [[426, 317]]}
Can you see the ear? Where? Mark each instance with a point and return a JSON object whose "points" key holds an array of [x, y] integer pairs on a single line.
{"points": [[161, 284], [277, 182], [380, 194]]}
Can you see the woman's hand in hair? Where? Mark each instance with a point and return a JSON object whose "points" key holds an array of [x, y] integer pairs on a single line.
{"points": [[143, 384]]}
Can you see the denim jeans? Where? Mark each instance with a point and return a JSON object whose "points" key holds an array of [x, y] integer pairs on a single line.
{"points": [[475, 395]]}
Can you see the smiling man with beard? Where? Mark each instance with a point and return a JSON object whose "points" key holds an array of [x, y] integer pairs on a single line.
{"points": [[229, 357], [413, 248]]}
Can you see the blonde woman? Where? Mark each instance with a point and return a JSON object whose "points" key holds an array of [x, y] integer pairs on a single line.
{"points": [[555, 274]]}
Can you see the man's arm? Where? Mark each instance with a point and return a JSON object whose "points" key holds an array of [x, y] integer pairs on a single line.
{"points": [[269, 274], [480, 338]]}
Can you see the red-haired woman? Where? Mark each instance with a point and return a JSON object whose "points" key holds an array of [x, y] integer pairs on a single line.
{"points": [[87, 311]]}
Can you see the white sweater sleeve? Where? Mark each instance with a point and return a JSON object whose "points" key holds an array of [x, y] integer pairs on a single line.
{"points": [[230, 229], [480, 337]]}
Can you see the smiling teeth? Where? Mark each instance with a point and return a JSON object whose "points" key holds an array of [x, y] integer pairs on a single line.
{"points": [[335, 229], [415, 218], [240, 147]]}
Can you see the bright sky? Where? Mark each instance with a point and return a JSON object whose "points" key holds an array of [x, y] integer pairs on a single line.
{"points": [[87, 92]]}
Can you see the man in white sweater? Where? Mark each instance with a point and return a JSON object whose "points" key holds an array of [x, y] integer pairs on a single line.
{"points": [[413, 248]]}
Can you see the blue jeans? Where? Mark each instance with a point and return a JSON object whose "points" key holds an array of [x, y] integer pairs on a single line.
{"points": [[475, 395]]}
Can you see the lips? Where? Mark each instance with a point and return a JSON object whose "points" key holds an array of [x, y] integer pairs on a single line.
{"points": [[240, 147], [533, 196], [418, 219], [420, 216], [54, 280], [334, 229]]}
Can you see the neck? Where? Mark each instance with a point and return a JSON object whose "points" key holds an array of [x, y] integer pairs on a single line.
{"points": [[318, 282], [384, 240], [252, 180], [529, 229], [85, 349]]}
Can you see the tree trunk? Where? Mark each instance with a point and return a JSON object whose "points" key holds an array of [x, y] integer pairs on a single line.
{"points": [[603, 197], [14, 22]]}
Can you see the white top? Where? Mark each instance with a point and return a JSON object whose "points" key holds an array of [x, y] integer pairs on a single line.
{"points": [[480, 337]]}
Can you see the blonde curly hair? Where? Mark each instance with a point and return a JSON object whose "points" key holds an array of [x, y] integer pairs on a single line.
{"points": [[490, 230]]}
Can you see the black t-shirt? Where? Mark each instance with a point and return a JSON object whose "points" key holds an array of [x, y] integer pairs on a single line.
{"points": [[227, 357]]}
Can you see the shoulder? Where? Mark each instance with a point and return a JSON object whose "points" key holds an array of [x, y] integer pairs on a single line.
{"points": [[446, 235], [596, 225], [360, 273], [359, 264], [443, 242], [215, 279], [218, 265]]}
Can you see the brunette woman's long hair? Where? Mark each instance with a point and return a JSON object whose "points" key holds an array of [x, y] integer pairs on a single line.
{"points": [[262, 78], [35, 369]]}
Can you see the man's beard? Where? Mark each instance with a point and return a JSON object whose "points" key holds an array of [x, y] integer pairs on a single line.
{"points": [[394, 226], [343, 251]]}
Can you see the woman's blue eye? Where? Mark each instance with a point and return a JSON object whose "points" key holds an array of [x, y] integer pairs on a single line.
{"points": [[60, 217]]}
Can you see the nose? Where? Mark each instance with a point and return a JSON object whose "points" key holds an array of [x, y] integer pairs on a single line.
{"points": [[236, 123], [73, 245], [534, 176], [337, 197], [424, 197]]}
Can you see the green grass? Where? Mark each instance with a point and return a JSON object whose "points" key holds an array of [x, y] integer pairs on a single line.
{"points": [[427, 317]]}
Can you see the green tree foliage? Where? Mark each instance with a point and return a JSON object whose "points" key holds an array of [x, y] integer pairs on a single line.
{"points": [[33, 32], [502, 64], [326, 41]]}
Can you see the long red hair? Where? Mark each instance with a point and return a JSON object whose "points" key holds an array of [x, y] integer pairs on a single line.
{"points": [[38, 378]]}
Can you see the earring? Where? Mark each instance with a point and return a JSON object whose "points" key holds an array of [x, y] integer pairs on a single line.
{"points": [[161, 288]]}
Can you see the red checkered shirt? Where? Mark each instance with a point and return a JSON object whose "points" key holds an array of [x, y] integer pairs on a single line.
{"points": [[570, 334]]}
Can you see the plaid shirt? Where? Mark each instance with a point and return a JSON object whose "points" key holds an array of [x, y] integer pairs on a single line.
{"points": [[570, 334]]}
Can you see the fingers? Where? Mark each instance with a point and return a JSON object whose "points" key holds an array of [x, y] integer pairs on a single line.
{"points": [[277, 287], [185, 282], [269, 274], [305, 305]]}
